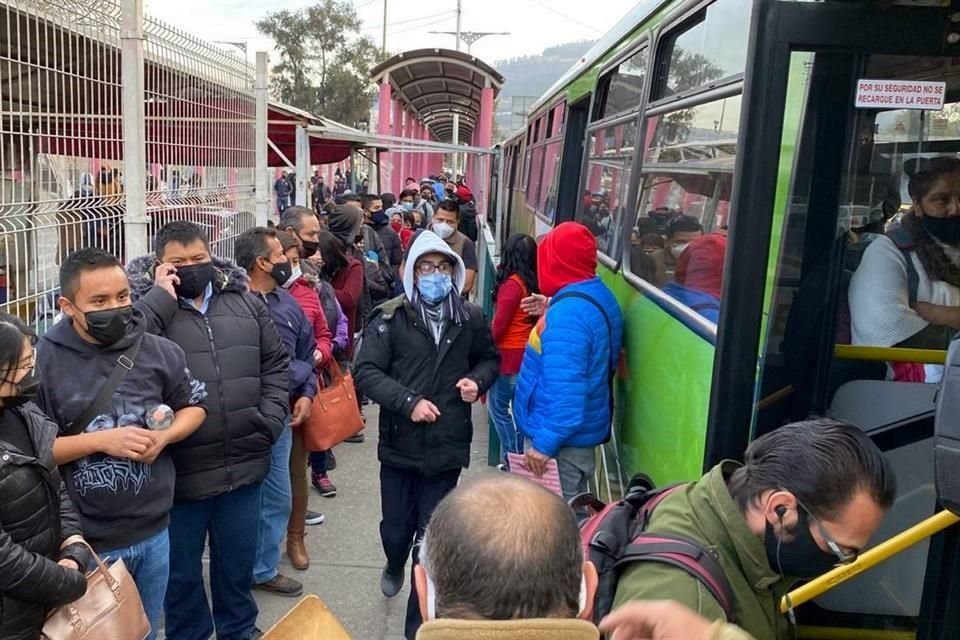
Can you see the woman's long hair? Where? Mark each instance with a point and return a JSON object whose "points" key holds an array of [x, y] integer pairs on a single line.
{"points": [[12, 332], [519, 258], [333, 252], [923, 174]]}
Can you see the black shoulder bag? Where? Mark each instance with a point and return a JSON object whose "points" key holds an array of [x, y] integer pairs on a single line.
{"points": [[125, 362]]}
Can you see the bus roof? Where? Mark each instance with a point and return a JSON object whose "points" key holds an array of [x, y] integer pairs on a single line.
{"points": [[627, 25]]}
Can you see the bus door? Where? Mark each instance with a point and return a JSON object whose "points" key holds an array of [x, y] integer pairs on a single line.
{"points": [[845, 101]]}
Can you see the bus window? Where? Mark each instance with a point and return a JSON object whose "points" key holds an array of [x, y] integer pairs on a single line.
{"points": [[710, 47], [687, 179], [622, 88], [534, 177], [611, 150]]}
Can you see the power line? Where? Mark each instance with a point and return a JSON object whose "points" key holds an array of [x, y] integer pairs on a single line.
{"points": [[445, 15], [421, 26], [568, 17]]}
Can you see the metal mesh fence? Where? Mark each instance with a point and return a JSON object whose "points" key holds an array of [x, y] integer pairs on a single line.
{"points": [[62, 173]]}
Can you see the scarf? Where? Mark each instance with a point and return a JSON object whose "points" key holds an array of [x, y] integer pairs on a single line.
{"points": [[936, 262], [436, 315]]}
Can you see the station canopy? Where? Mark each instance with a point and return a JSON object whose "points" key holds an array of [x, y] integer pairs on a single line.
{"points": [[435, 84]]}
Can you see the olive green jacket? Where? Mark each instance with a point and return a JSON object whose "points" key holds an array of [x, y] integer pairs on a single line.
{"points": [[705, 512]]}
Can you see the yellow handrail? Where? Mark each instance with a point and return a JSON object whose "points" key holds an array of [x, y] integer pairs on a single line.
{"points": [[868, 559], [889, 354]]}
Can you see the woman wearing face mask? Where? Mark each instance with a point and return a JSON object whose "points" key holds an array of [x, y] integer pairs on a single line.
{"points": [[906, 290], [305, 293], [37, 516], [410, 227]]}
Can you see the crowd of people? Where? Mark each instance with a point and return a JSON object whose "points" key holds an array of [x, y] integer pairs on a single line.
{"points": [[185, 435]]}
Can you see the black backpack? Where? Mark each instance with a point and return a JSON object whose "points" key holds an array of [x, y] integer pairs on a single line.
{"points": [[615, 536]]}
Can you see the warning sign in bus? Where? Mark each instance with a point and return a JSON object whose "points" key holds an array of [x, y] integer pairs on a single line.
{"points": [[900, 94]]}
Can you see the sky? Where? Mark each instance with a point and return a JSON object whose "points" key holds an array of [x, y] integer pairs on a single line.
{"points": [[533, 24]]}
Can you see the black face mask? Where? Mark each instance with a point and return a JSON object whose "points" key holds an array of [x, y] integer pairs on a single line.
{"points": [[309, 248], [27, 390], [110, 325], [801, 557], [281, 272], [946, 230], [194, 279]]}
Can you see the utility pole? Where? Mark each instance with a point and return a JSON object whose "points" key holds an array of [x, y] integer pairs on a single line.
{"points": [[470, 37], [383, 49], [459, 15]]}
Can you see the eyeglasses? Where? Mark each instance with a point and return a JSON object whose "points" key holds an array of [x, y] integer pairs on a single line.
{"points": [[843, 556], [426, 268]]}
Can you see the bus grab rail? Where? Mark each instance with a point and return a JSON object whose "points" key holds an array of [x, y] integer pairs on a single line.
{"points": [[889, 354], [868, 559]]}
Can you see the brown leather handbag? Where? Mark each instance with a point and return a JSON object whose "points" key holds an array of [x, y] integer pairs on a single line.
{"points": [[110, 609], [335, 415]]}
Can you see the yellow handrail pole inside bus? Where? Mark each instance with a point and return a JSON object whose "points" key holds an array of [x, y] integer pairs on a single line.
{"points": [[868, 559], [889, 354]]}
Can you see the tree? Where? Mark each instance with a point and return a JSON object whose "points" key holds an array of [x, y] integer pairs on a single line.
{"points": [[324, 63]]}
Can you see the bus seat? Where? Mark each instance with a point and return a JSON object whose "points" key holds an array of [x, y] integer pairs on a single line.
{"points": [[309, 619], [871, 404]]}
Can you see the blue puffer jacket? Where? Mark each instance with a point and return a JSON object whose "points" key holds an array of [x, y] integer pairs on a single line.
{"points": [[563, 392]]}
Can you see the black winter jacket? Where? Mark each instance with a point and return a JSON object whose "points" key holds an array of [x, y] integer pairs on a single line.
{"points": [[36, 516], [399, 364], [236, 350]]}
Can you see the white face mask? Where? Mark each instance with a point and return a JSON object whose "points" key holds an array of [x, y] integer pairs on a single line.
{"points": [[443, 229], [294, 276], [677, 249]]}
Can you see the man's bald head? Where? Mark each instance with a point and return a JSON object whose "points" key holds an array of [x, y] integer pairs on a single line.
{"points": [[500, 547]]}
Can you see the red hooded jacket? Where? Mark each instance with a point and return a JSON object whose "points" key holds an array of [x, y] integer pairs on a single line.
{"points": [[308, 299], [566, 255]]}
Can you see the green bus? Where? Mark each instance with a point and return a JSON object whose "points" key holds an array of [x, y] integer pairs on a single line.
{"points": [[743, 114]]}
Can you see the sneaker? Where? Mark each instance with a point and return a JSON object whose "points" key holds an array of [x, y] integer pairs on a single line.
{"points": [[331, 460], [314, 517], [357, 439], [390, 583], [256, 634], [322, 484], [282, 586]]}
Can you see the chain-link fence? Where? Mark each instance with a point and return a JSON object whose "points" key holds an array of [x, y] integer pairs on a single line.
{"points": [[62, 171]]}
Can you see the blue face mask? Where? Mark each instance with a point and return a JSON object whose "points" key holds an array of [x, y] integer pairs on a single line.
{"points": [[407, 206], [435, 287]]}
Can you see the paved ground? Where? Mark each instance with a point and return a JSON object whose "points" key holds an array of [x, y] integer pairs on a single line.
{"points": [[345, 551]]}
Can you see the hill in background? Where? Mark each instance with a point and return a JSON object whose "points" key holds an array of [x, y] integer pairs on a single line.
{"points": [[528, 78]]}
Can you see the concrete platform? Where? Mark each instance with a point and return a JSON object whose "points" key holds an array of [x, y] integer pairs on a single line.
{"points": [[345, 551]]}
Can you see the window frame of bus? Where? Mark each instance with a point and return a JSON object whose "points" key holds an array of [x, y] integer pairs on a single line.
{"points": [[674, 26], [683, 21], [643, 42], [546, 136]]}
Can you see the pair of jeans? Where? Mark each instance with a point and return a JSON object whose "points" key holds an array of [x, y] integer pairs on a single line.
{"points": [[318, 461], [232, 520], [576, 466], [407, 500], [275, 505], [148, 562], [499, 400]]}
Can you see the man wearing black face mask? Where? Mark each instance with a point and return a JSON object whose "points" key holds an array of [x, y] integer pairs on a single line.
{"points": [[202, 303], [808, 497], [302, 222], [115, 461], [259, 252]]}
